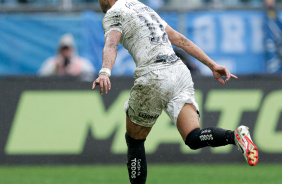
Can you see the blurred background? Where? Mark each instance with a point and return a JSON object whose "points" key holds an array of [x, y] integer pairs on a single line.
{"points": [[244, 35], [51, 51]]}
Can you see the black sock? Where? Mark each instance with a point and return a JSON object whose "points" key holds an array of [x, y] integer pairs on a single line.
{"points": [[213, 137], [136, 160]]}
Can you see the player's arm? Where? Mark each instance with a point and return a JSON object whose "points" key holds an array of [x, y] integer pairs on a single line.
{"points": [[181, 41], [109, 57]]}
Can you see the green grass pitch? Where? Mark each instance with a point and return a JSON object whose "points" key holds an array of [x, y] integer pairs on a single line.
{"points": [[157, 174]]}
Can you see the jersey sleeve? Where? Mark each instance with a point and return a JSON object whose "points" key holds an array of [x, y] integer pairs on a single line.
{"points": [[112, 21]]}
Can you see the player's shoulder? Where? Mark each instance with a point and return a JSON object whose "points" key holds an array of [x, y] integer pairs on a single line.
{"points": [[117, 8]]}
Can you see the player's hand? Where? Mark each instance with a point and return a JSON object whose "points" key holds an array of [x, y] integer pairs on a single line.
{"points": [[104, 82], [219, 71]]}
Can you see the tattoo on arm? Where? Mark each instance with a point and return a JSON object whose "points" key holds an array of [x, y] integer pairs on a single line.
{"points": [[183, 42], [108, 57], [194, 50], [110, 51], [107, 64], [210, 65], [113, 43]]}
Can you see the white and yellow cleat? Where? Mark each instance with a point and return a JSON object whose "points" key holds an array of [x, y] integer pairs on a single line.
{"points": [[244, 143]]}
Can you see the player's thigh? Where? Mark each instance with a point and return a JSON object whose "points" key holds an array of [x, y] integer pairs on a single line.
{"points": [[187, 120], [136, 131]]}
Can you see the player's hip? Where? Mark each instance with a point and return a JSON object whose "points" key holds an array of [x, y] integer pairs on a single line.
{"points": [[164, 83]]}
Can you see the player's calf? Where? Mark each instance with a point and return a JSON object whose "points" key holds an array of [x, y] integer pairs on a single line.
{"points": [[136, 160], [213, 137]]}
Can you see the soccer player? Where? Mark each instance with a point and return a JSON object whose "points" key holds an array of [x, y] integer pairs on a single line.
{"points": [[162, 82]]}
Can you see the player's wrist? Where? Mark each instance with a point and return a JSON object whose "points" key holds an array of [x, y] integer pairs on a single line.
{"points": [[105, 71], [213, 66]]}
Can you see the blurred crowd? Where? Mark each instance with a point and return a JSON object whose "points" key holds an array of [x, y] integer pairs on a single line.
{"points": [[156, 4], [203, 3], [67, 61]]}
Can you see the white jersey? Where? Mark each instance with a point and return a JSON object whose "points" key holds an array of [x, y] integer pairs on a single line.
{"points": [[143, 34]]}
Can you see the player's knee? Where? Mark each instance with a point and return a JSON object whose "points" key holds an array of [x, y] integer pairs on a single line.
{"points": [[131, 142], [191, 139]]}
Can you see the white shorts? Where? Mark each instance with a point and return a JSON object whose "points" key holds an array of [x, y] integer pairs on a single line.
{"points": [[166, 89]]}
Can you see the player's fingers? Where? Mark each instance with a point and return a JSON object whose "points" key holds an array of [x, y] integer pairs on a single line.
{"points": [[221, 80], [101, 87], [106, 86], [234, 76], [228, 75], [95, 83], [109, 84]]}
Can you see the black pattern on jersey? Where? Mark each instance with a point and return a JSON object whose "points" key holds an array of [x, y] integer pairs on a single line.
{"points": [[117, 21], [153, 23]]}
